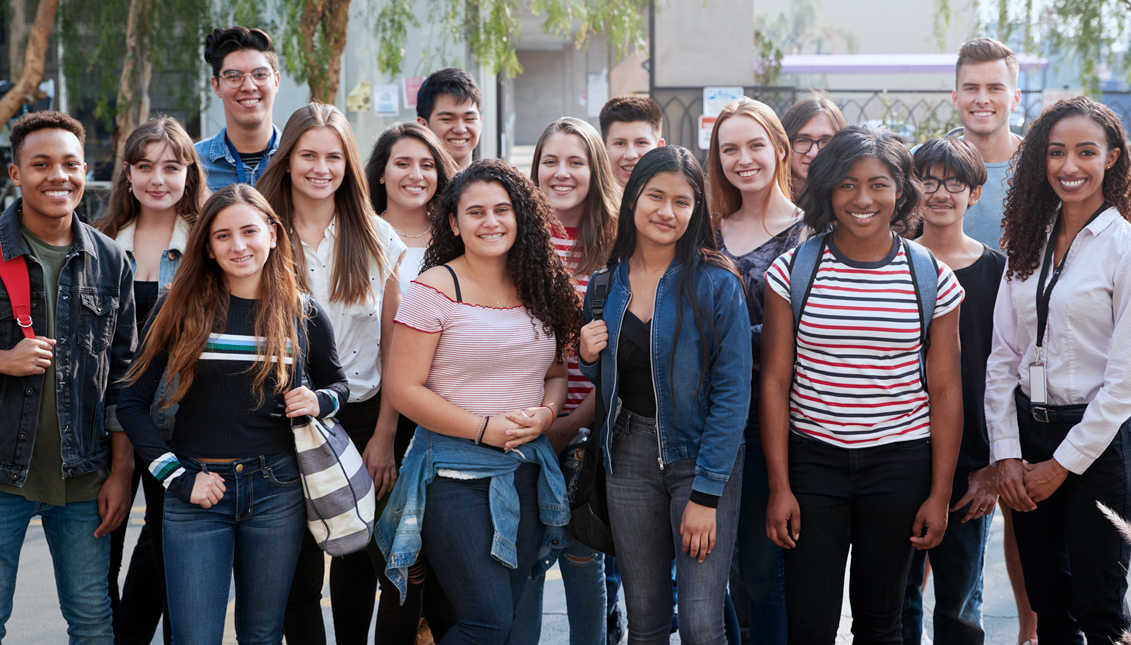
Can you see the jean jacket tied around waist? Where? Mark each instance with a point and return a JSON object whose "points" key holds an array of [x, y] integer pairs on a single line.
{"points": [[700, 415], [398, 529], [164, 418], [96, 339]]}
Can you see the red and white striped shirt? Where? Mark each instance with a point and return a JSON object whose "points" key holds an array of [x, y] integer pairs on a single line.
{"points": [[579, 386], [488, 361], [857, 378]]}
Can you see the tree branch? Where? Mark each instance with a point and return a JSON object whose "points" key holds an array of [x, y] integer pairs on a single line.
{"points": [[34, 59]]}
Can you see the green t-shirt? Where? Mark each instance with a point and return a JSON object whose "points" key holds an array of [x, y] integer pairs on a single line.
{"points": [[45, 482]]}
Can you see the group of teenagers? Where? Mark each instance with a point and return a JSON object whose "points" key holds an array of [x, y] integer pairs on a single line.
{"points": [[770, 347]]}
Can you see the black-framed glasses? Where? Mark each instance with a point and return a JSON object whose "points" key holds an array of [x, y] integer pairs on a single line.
{"points": [[802, 145], [234, 78], [952, 185]]}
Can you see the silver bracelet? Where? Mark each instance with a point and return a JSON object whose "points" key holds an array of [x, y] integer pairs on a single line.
{"points": [[482, 428]]}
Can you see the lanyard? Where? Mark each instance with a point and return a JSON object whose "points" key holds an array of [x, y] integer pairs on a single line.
{"points": [[239, 162], [1045, 295]]}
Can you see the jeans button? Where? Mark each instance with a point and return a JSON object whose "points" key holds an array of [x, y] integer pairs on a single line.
{"points": [[15, 475], [23, 435], [239, 468], [29, 391]]}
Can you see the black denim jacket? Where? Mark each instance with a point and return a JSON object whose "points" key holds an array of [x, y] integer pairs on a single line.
{"points": [[96, 338]]}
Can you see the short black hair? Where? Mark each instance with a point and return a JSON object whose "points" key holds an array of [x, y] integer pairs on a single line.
{"points": [[44, 120], [627, 109], [451, 81], [222, 42], [852, 144], [956, 155]]}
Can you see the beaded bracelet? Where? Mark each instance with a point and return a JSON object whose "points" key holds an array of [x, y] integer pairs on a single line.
{"points": [[481, 430]]}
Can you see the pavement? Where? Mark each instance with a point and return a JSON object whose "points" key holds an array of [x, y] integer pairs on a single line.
{"points": [[36, 619]]}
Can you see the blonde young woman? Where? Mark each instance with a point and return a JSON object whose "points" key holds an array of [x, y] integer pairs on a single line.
{"points": [[345, 257], [155, 200], [749, 169]]}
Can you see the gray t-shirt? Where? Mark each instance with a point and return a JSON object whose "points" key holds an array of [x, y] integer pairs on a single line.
{"points": [[983, 221]]}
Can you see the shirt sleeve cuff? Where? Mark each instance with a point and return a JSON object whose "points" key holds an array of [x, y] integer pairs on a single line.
{"points": [[1071, 458], [328, 404], [1009, 448], [703, 499]]}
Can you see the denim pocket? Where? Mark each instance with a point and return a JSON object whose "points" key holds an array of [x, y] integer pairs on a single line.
{"points": [[99, 313], [284, 474]]}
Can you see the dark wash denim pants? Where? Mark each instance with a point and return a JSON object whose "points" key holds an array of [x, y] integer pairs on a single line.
{"points": [[253, 532], [761, 563], [865, 498], [458, 534], [645, 509], [1075, 562]]}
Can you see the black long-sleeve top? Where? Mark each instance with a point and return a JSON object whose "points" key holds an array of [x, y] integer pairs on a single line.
{"points": [[221, 417]]}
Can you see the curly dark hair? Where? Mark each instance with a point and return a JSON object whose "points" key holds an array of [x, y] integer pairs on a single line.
{"points": [[543, 283], [852, 144], [1032, 203]]}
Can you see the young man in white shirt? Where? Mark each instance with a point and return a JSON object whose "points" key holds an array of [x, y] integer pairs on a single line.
{"points": [[449, 103]]}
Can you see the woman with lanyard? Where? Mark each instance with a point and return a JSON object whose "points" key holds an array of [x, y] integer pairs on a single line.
{"points": [[346, 258], [1058, 381]]}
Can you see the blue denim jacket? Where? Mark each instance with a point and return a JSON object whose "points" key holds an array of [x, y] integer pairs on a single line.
{"points": [[94, 327], [220, 165], [398, 529], [696, 420], [164, 418]]}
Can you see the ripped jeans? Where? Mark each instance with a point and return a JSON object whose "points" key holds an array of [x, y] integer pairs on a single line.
{"points": [[583, 576]]}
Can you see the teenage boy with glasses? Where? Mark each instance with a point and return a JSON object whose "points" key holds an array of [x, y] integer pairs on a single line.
{"points": [[245, 77]]}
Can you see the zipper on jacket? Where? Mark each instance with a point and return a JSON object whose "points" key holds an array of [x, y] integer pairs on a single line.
{"points": [[611, 415], [655, 390]]}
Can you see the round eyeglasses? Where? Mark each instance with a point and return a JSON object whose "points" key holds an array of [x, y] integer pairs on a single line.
{"points": [[234, 78]]}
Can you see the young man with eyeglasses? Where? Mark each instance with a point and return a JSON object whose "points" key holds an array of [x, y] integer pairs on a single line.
{"points": [[810, 124], [245, 77], [952, 173]]}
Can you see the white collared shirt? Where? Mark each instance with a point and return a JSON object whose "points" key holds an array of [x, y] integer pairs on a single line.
{"points": [[1086, 351], [357, 327]]}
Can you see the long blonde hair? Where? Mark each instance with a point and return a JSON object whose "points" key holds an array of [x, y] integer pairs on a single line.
{"points": [[358, 244], [599, 224], [197, 304], [725, 197], [124, 207]]}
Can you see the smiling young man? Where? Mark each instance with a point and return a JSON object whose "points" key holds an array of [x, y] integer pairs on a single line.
{"points": [[245, 77], [58, 459], [985, 94], [448, 104], [630, 126]]}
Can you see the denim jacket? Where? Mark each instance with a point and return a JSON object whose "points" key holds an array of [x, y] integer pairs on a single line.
{"points": [[94, 327], [398, 529], [701, 420], [220, 165], [164, 418]]}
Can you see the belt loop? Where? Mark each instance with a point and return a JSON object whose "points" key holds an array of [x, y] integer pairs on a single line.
{"points": [[203, 467]]}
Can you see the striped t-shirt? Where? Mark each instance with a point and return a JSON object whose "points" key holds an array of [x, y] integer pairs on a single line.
{"points": [[579, 386], [857, 377]]}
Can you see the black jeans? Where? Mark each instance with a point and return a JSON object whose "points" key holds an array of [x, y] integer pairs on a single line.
{"points": [[866, 498], [1075, 562], [142, 604]]}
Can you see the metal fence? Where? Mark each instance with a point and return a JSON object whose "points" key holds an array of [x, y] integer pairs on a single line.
{"points": [[918, 115]]}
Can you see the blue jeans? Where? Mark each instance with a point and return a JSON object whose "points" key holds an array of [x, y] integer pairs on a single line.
{"points": [[583, 577], [646, 507], [761, 564], [458, 534], [957, 564], [865, 498], [253, 532], [82, 564]]}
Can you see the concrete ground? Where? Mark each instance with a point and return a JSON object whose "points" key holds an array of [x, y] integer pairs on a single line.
{"points": [[36, 618]]}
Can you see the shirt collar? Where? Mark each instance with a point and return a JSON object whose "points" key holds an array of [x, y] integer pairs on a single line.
{"points": [[12, 241], [219, 149], [178, 242]]}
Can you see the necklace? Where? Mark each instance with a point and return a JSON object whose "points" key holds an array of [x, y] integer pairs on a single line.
{"points": [[406, 235], [481, 287]]}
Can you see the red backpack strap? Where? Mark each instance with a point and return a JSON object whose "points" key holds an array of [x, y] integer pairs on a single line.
{"points": [[14, 275]]}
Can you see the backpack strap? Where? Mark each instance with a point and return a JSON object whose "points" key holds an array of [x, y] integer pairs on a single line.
{"points": [[803, 264], [925, 280], [599, 283], [14, 275]]}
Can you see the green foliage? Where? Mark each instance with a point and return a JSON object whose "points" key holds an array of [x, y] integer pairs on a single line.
{"points": [[391, 30], [767, 60]]}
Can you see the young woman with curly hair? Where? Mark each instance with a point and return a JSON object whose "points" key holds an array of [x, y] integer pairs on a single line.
{"points": [[1058, 381], [856, 448], [228, 330], [673, 357], [154, 203], [346, 258], [479, 363]]}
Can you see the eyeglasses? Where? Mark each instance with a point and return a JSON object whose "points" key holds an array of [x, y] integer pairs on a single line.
{"points": [[953, 185], [802, 145], [234, 78]]}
